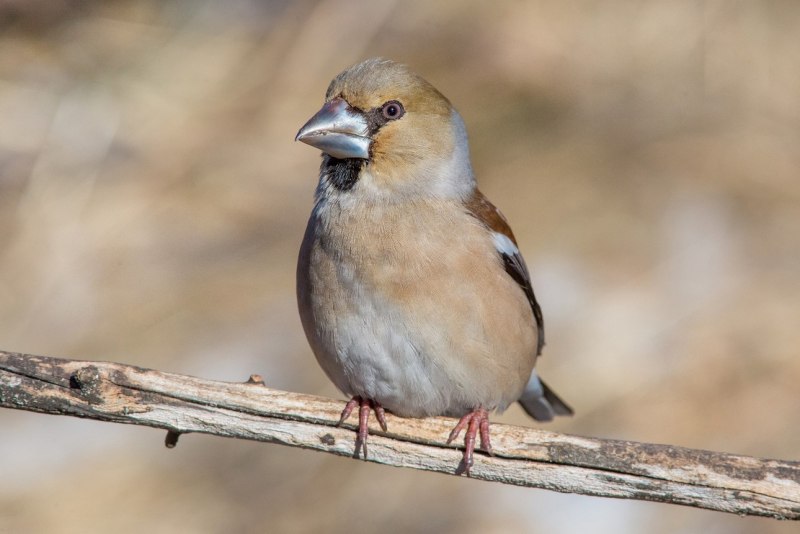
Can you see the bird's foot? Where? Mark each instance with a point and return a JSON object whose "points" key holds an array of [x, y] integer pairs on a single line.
{"points": [[364, 407], [476, 422]]}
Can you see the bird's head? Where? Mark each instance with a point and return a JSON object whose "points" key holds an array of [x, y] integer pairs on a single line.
{"points": [[385, 129]]}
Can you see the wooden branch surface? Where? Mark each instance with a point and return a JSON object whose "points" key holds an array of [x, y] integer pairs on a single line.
{"points": [[523, 456]]}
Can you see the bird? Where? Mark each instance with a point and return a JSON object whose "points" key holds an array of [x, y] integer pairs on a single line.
{"points": [[411, 289]]}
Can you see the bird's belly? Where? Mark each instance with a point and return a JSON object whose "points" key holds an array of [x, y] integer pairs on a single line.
{"points": [[375, 352], [423, 353], [387, 367]]}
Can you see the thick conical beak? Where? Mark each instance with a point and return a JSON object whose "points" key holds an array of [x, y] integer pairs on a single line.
{"points": [[337, 130]]}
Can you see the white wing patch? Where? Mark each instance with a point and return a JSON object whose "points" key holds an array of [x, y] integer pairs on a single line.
{"points": [[504, 245]]}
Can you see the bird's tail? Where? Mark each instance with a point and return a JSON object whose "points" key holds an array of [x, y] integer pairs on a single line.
{"points": [[541, 402]]}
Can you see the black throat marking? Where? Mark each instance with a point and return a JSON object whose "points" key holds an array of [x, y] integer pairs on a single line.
{"points": [[341, 173]]}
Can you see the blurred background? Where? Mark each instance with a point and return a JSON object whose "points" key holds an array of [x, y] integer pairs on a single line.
{"points": [[152, 203]]}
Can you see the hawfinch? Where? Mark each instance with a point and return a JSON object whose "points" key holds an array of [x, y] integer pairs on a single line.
{"points": [[412, 291]]}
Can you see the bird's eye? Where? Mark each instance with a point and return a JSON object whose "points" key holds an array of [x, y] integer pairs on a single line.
{"points": [[392, 110]]}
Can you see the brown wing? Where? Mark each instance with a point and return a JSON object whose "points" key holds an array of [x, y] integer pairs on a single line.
{"points": [[483, 210]]}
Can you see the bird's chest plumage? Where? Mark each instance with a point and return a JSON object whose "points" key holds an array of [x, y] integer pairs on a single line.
{"points": [[400, 308]]}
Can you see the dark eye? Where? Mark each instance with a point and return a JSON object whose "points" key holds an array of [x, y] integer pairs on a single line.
{"points": [[392, 110]]}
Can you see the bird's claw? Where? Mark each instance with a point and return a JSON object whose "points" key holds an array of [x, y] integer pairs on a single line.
{"points": [[364, 407], [476, 422]]}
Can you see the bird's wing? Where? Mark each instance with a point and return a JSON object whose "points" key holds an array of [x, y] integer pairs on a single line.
{"points": [[506, 245]]}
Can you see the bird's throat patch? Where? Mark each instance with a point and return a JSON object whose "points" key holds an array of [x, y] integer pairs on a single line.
{"points": [[342, 173]]}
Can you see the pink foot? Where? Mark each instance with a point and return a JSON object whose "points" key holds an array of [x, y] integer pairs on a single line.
{"points": [[364, 407], [476, 421]]}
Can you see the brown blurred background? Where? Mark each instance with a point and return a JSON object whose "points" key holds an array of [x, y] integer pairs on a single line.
{"points": [[152, 203]]}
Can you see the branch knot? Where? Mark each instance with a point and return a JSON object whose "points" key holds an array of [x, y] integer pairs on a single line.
{"points": [[89, 381]]}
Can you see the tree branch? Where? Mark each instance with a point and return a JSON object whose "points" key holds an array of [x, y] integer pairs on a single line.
{"points": [[522, 456]]}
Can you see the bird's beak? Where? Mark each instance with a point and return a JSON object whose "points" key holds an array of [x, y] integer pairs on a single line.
{"points": [[337, 130]]}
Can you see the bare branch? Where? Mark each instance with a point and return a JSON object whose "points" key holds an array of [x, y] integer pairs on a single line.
{"points": [[523, 456]]}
